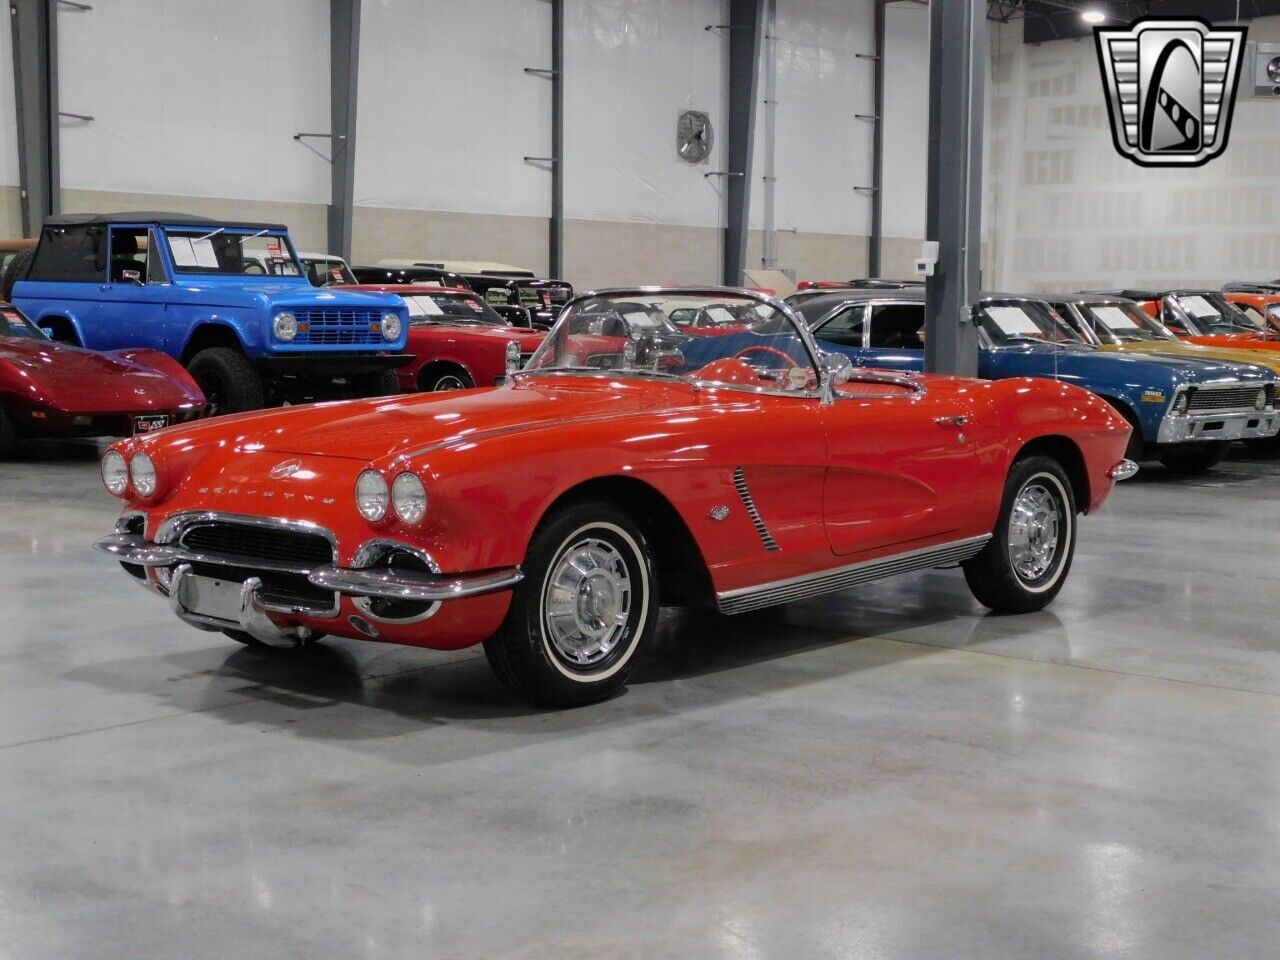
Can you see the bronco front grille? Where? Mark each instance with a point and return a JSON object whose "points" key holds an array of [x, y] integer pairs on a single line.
{"points": [[1208, 399], [326, 327], [272, 546]]}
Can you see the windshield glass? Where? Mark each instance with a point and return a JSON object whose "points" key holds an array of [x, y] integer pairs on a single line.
{"points": [[1210, 313], [14, 326], [232, 250], [1023, 321], [632, 333], [1122, 323], [426, 308], [326, 272]]}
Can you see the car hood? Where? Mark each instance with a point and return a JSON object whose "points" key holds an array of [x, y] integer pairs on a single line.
{"points": [[73, 379], [396, 426], [1185, 369], [529, 340], [1193, 352]]}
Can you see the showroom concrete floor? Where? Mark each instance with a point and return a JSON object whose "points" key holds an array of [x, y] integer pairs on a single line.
{"points": [[885, 773]]}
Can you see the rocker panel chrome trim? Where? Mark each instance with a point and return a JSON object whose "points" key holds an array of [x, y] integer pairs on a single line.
{"points": [[745, 599]]}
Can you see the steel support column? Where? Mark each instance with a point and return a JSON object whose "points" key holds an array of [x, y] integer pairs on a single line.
{"points": [[745, 35], [876, 240], [35, 86], [344, 69], [957, 72], [555, 245]]}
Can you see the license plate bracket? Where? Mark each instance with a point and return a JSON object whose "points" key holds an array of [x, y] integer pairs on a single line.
{"points": [[211, 597]]}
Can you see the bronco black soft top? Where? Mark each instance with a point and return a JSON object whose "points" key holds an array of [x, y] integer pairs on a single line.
{"points": [[151, 216]]}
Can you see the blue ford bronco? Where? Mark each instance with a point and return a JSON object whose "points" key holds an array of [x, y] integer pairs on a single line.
{"points": [[197, 290]]}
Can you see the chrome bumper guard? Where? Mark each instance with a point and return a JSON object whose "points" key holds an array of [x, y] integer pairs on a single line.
{"points": [[1199, 427], [371, 582]]}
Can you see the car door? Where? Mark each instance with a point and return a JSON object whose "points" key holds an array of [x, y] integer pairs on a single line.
{"points": [[131, 303], [843, 331], [901, 464]]}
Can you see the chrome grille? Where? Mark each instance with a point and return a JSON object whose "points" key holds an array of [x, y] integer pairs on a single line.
{"points": [[333, 327], [273, 546], [1225, 398]]}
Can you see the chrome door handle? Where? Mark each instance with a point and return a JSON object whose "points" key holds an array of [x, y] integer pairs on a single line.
{"points": [[956, 422]]}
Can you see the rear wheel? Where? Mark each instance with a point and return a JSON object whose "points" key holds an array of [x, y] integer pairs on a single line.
{"points": [[451, 379], [1025, 563], [229, 381], [585, 610], [1198, 459]]}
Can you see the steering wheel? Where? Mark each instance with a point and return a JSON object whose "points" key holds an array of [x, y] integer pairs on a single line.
{"points": [[763, 348]]}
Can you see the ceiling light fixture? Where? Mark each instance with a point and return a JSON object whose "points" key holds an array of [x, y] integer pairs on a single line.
{"points": [[1092, 16]]}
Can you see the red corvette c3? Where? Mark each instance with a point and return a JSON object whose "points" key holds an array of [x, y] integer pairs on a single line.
{"points": [[550, 517], [49, 389], [456, 339]]}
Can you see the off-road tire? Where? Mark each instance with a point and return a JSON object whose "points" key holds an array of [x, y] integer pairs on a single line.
{"points": [[229, 381], [15, 270]]}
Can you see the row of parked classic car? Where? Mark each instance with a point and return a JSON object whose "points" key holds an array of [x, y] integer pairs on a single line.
{"points": [[654, 446]]}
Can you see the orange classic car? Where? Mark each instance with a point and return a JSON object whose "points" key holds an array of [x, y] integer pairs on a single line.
{"points": [[550, 517], [1205, 317]]}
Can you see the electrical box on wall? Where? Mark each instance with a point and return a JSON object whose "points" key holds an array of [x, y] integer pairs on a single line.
{"points": [[1261, 70]]}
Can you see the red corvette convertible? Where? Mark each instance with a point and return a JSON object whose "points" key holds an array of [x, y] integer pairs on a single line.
{"points": [[549, 518], [49, 389], [457, 340]]}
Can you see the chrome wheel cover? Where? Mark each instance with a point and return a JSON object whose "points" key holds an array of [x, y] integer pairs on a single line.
{"points": [[449, 381], [586, 602], [1036, 525]]}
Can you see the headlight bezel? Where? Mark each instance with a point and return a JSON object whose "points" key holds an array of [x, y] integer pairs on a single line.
{"points": [[374, 501], [123, 473], [392, 326], [282, 324], [144, 485], [1262, 400], [1181, 403], [409, 488]]}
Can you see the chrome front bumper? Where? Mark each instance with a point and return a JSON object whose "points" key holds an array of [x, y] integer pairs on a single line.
{"points": [[1200, 427], [253, 615]]}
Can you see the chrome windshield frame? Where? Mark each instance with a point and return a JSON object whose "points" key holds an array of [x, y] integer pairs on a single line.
{"points": [[798, 325]]}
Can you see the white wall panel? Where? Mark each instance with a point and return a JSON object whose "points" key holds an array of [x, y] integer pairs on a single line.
{"points": [[822, 151], [196, 98], [1068, 212], [446, 112], [631, 68], [8, 113], [906, 119]]}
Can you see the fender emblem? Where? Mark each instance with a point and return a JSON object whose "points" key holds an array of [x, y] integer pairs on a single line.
{"points": [[720, 512], [286, 468]]}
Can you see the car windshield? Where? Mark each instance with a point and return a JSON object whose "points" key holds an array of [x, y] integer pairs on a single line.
{"points": [[428, 308], [630, 333], [326, 272], [713, 315], [1123, 323], [14, 326], [1211, 313], [232, 251], [1023, 321]]}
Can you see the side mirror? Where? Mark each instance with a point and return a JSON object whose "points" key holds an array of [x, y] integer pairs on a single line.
{"points": [[836, 369]]}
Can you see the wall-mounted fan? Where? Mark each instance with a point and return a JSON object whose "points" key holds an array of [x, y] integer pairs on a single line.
{"points": [[694, 136]]}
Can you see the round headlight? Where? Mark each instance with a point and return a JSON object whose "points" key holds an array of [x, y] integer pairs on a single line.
{"points": [[1181, 402], [1260, 401], [115, 473], [391, 326], [285, 326], [372, 496], [142, 471], [409, 497]]}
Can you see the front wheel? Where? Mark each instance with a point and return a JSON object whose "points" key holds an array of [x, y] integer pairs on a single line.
{"points": [[1199, 458], [448, 380], [228, 380], [1025, 563], [583, 613]]}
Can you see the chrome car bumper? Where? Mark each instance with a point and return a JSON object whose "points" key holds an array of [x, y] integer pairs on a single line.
{"points": [[252, 613], [1199, 427]]}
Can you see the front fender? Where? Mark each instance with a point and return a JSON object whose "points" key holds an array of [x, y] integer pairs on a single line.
{"points": [[162, 363], [247, 329]]}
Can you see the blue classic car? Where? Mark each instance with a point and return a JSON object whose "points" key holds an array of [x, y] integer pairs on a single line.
{"points": [[1187, 429], [197, 290]]}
